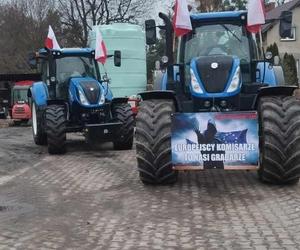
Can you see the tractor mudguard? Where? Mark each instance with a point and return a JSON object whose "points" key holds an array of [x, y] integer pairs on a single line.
{"points": [[269, 77], [39, 93], [165, 94], [276, 90]]}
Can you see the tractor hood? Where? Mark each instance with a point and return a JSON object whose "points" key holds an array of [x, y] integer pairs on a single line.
{"points": [[86, 91], [215, 76]]}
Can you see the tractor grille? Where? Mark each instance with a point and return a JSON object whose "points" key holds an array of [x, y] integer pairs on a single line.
{"points": [[19, 110], [91, 90], [214, 80]]}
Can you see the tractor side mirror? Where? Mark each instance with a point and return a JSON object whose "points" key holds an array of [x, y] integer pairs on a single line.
{"points": [[150, 31], [32, 60], [285, 28], [117, 58]]}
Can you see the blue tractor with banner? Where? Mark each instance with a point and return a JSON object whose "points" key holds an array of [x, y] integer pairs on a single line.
{"points": [[221, 105], [72, 97]]}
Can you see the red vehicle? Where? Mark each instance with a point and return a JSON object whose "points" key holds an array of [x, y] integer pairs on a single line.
{"points": [[21, 111]]}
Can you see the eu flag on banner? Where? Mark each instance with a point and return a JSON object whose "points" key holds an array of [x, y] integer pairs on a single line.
{"points": [[233, 137]]}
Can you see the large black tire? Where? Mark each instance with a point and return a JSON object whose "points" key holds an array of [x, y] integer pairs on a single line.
{"points": [[279, 123], [56, 120], [153, 142], [38, 129], [124, 136]]}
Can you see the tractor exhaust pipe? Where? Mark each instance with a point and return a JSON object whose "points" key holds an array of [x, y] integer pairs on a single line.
{"points": [[169, 36]]}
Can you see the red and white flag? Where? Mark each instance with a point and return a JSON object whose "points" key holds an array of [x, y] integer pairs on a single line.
{"points": [[256, 15], [181, 21], [51, 42], [100, 49]]}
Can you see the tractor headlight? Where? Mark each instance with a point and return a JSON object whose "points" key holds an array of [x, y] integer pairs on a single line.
{"points": [[235, 81], [195, 84], [82, 98]]}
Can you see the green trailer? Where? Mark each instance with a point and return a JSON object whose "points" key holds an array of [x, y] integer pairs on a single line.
{"points": [[131, 77]]}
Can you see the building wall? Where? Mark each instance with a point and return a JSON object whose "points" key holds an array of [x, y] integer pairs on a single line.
{"points": [[291, 47]]}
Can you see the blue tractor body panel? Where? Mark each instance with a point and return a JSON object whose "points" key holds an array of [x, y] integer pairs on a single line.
{"points": [[269, 78], [220, 16], [76, 86], [40, 93], [69, 52], [225, 93]]}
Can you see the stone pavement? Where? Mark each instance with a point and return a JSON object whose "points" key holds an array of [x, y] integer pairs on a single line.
{"points": [[93, 199]]}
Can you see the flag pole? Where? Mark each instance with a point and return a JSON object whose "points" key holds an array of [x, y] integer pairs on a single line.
{"points": [[261, 42], [263, 53]]}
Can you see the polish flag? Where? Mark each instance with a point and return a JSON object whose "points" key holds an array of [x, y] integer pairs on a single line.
{"points": [[51, 42], [181, 21], [256, 15], [100, 50]]}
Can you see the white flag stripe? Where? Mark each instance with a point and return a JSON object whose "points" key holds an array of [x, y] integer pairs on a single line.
{"points": [[100, 49], [52, 38], [183, 20], [256, 14], [182, 24]]}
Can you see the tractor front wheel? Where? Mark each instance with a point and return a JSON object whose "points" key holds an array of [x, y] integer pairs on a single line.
{"points": [[38, 131], [279, 126], [56, 120], [153, 142], [124, 137]]}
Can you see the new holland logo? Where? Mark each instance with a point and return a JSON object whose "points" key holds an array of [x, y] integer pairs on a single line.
{"points": [[214, 65]]}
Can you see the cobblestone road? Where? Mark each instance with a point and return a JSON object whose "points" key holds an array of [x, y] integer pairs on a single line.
{"points": [[93, 199]]}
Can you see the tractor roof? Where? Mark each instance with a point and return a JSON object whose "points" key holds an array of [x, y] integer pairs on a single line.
{"points": [[68, 52], [226, 16]]}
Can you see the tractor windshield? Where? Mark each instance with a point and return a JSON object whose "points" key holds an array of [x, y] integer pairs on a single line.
{"points": [[67, 67], [218, 39], [20, 95]]}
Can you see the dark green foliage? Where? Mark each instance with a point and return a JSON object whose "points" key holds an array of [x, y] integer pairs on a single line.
{"points": [[221, 5], [290, 69], [274, 49]]}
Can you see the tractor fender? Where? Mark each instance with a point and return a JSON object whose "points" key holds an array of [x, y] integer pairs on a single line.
{"points": [[277, 90], [39, 93], [267, 74], [164, 94]]}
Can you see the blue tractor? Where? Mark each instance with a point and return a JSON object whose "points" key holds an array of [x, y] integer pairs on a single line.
{"points": [[220, 70], [73, 97]]}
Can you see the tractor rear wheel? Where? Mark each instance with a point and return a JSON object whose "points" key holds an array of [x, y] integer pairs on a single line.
{"points": [[38, 131], [56, 120], [279, 126], [153, 142], [124, 136]]}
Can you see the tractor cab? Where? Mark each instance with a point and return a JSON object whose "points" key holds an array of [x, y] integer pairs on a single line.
{"points": [[59, 67], [220, 65], [218, 56], [72, 97]]}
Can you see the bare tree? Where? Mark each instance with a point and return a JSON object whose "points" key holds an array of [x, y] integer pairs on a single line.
{"points": [[78, 16], [210, 5], [23, 28]]}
